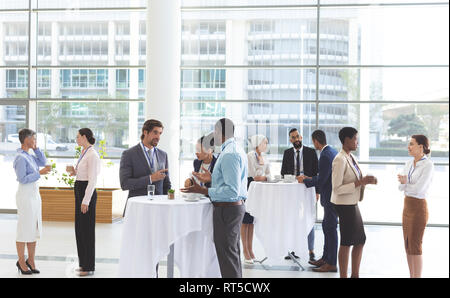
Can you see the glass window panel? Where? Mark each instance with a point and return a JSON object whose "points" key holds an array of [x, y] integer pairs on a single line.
{"points": [[212, 3], [251, 84], [17, 4], [338, 2], [255, 37], [390, 84], [70, 4], [82, 37], [401, 35], [13, 38], [13, 83], [12, 119], [273, 120], [373, 207], [86, 83], [109, 122], [385, 129]]}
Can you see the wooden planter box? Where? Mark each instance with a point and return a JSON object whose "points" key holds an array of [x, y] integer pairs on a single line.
{"points": [[58, 204]]}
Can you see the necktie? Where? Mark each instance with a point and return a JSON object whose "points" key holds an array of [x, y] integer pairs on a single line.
{"points": [[298, 164]]}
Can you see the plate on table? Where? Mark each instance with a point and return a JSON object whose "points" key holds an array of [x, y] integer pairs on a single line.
{"points": [[192, 197]]}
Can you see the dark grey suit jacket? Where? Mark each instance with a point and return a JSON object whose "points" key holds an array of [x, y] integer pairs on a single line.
{"points": [[135, 172]]}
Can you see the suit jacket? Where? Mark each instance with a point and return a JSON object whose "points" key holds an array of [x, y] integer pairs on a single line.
{"points": [[198, 165], [343, 180], [135, 172], [323, 180], [310, 163]]}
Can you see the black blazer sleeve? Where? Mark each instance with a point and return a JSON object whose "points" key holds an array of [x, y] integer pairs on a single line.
{"points": [[285, 166]]}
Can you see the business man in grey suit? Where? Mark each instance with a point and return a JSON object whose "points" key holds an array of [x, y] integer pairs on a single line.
{"points": [[144, 164]]}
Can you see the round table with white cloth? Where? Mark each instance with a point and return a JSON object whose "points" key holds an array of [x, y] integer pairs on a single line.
{"points": [[151, 227], [284, 216]]}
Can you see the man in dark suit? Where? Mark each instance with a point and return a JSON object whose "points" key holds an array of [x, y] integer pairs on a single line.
{"points": [[329, 224], [144, 164], [300, 160]]}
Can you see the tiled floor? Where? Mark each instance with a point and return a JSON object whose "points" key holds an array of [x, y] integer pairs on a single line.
{"points": [[383, 253]]}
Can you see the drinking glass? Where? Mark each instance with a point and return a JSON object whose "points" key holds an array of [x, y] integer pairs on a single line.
{"points": [[150, 192]]}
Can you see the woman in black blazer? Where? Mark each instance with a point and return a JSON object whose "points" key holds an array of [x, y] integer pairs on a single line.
{"points": [[206, 160]]}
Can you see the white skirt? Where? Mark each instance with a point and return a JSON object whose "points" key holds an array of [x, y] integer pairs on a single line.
{"points": [[29, 213]]}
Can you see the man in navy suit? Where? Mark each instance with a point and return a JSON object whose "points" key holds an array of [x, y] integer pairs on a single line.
{"points": [[329, 224]]}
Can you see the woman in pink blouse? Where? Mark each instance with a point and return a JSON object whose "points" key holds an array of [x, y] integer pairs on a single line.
{"points": [[86, 170]]}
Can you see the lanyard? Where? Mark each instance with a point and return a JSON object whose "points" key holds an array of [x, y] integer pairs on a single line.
{"points": [[356, 167], [150, 160], [82, 155], [412, 169]]}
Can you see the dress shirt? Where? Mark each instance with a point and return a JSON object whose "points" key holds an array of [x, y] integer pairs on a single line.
{"points": [[150, 154], [418, 179], [255, 169], [27, 165], [88, 169], [229, 178]]}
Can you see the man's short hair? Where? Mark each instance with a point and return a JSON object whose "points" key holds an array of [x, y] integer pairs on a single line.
{"points": [[149, 125], [25, 133], [226, 126], [292, 130], [319, 136]]}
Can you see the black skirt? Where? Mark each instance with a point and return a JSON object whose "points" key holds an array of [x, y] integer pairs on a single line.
{"points": [[351, 225]]}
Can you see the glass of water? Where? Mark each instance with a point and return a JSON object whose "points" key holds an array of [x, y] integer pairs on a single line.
{"points": [[150, 192]]}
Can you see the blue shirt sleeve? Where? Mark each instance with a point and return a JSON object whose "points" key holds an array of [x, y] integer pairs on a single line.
{"points": [[24, 177], [40, 158], [231, 174]]}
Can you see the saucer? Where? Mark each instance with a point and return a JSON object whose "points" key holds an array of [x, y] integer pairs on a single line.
{"points": [[192, 200]]}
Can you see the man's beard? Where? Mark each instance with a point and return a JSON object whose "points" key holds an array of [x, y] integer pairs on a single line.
{"points": [[298, 145]]}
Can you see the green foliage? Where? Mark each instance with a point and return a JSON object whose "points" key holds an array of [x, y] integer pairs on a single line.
{"points": [[102, 152], [406, 126]]}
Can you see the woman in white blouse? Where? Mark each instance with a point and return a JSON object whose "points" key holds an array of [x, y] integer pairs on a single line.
{"points": [[86, 170], [415, 182], [258, 170]]}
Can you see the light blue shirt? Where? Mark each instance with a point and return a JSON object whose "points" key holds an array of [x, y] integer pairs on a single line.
{"points": [[229, 178], [27, 165]]}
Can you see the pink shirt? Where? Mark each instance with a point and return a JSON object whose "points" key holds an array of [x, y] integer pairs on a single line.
{"points": [[87, 170]]}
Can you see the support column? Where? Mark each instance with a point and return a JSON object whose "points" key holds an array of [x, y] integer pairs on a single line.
{"points": [[163, 76]]}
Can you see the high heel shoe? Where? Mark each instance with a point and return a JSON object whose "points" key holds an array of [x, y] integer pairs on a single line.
{"points": [[32, 270], [21, 271]]}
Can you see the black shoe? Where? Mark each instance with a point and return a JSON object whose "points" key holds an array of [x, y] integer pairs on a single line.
{"points": [[312, 257], [293, 254], [32, 270], [21, 271]]}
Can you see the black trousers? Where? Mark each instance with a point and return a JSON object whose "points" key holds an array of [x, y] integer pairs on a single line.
{"points": [[85, 228]]}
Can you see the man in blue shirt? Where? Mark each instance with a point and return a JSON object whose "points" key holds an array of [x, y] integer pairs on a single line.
{"points": [[227, 192]]}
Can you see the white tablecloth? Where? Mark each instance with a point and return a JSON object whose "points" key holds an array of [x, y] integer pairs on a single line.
{"points": [[151, 227], [284, 216]]}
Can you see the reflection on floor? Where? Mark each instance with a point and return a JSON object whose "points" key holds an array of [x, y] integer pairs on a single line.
{"points": [[383, 253]]}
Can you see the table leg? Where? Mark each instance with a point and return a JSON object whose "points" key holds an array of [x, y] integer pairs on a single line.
{"points": [[170, 262], [295, 261]]}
